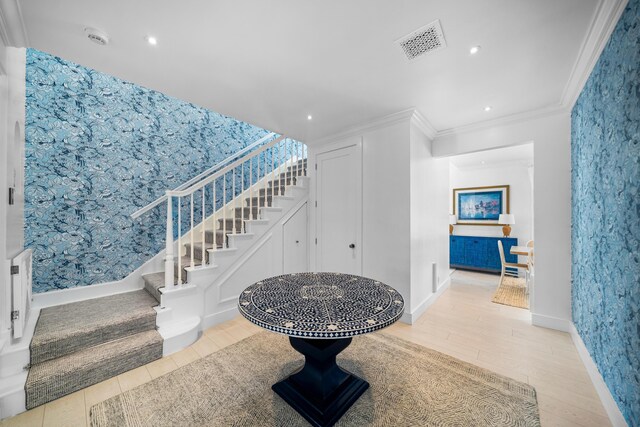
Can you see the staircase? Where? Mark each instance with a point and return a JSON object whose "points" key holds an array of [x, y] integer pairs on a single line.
{"points": [[229, 228], [83, 343]]}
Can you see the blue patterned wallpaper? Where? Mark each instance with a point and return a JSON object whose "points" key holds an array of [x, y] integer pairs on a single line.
{"points": [[605, 150], [98, 149]]}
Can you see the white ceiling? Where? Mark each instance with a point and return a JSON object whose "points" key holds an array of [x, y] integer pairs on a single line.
{"points": [[271, 63], [518, 155]]}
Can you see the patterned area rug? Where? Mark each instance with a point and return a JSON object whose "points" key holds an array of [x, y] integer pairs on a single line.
{"points": [[513, 292], [410, 386]]}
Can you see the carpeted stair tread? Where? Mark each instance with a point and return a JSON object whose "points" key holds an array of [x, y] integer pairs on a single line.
{"points": [[71, 327], [153, 282], [55, 378], [281, 182], [272, 191], [197, 250], [208, 237], [239, 224], [258, 201], [246, 212]]}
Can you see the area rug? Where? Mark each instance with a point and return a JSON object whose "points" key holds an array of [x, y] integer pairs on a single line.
{"points": [[410, 386], [512, 291]]}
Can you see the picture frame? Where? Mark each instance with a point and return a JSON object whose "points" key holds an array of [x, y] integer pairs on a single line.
{"points": [[480, 205]]}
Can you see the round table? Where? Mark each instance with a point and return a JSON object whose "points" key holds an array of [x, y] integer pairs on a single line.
{"points": [[321, 312]]}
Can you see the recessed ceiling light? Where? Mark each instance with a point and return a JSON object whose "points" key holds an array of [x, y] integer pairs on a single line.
{"points": [[309, 117], [474, 50], [487, 108], [152, 40], [482, 162]]}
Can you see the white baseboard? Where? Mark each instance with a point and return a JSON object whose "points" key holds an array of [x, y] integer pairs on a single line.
{"points": [[615, 416], [413, 316], [219, 317], [550, 322]]}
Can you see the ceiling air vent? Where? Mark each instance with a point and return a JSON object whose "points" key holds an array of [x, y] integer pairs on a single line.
{"points": [[423, 40]]}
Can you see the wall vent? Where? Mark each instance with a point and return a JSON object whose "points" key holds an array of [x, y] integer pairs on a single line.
{"points": [[423, 40]]}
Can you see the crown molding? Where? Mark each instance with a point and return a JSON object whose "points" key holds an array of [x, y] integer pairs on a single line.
{"points": [[526, 116], [424, 125], [12, 29], [373, 125], [602, 25]]}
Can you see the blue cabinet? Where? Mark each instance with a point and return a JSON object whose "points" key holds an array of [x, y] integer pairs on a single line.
{"points": [[479, 253]]}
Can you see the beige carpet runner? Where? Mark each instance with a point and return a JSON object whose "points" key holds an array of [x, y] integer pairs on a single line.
{"points": [[512, 291], [410, 386]]}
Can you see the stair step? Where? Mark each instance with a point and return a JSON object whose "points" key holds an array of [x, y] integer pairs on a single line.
{"points": [[55, 378], [293, 173], [280, 182], [152, 284], [208, 237], [258, 201], [186, 262], [231, 224], [69, 328], [197, 250], [245, 212], [272, 191]]}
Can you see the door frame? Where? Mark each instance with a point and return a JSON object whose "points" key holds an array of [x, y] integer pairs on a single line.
{"points": [[314, 220]]}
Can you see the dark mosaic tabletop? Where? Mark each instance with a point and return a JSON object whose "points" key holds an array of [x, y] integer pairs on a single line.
{"points": [[321, 305]]}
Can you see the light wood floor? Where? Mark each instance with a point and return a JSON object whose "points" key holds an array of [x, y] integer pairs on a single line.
{"points": [[463, 323]]}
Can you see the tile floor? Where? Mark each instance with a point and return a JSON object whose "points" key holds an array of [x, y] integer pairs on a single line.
{"points": [[463, 323]]}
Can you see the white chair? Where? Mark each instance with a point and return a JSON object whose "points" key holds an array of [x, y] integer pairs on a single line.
{"points": [[509, 267]]}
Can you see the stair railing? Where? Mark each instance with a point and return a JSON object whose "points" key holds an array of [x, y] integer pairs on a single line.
{"points": [[204, 174], [254, 173]]}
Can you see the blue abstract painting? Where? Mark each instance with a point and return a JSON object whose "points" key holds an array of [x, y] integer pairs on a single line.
{"points": [[480, 205], [98, 149]]}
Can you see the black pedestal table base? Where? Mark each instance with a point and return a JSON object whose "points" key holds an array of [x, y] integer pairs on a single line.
{"points": [[321, 391]]}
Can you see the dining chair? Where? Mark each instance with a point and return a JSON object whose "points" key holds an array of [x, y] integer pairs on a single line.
{"points": [[509, 267]]}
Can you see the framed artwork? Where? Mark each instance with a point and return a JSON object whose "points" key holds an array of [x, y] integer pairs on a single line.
{"points": [[480, 205]]}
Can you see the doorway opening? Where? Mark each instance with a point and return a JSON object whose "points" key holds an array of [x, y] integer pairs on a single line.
{"points": [[491, 222]]}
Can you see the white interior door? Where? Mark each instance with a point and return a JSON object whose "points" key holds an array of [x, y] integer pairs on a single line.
{"points": [[339, 210], [296, 243]]}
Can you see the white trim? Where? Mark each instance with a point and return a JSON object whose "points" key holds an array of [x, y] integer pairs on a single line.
{"points": [[12, 29], [130, 283], [615, 416], [424, 125], [219, 317], [413, 316], [602, 25], [551, 110], [550, 322], [373, 125]]}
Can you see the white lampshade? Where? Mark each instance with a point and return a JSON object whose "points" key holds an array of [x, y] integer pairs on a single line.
{"points": [[506, 219], [453, 220]]}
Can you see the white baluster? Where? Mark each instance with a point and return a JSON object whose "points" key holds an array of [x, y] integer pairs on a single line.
{"points": [[282, 161], [273, 172], [213, 228], [179, 240], [202, 227], [265, 178], [168, 258], [191, 233], [234, 227], [294, 170], [224, 210], [251, 186]]}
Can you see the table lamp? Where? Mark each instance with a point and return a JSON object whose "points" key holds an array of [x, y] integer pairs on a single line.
{"points": [[506, 220], [452, 221]]}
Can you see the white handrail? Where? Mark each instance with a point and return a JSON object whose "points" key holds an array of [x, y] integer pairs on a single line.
{"points": [[287, 157], [161, 199], [226, 169]]}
